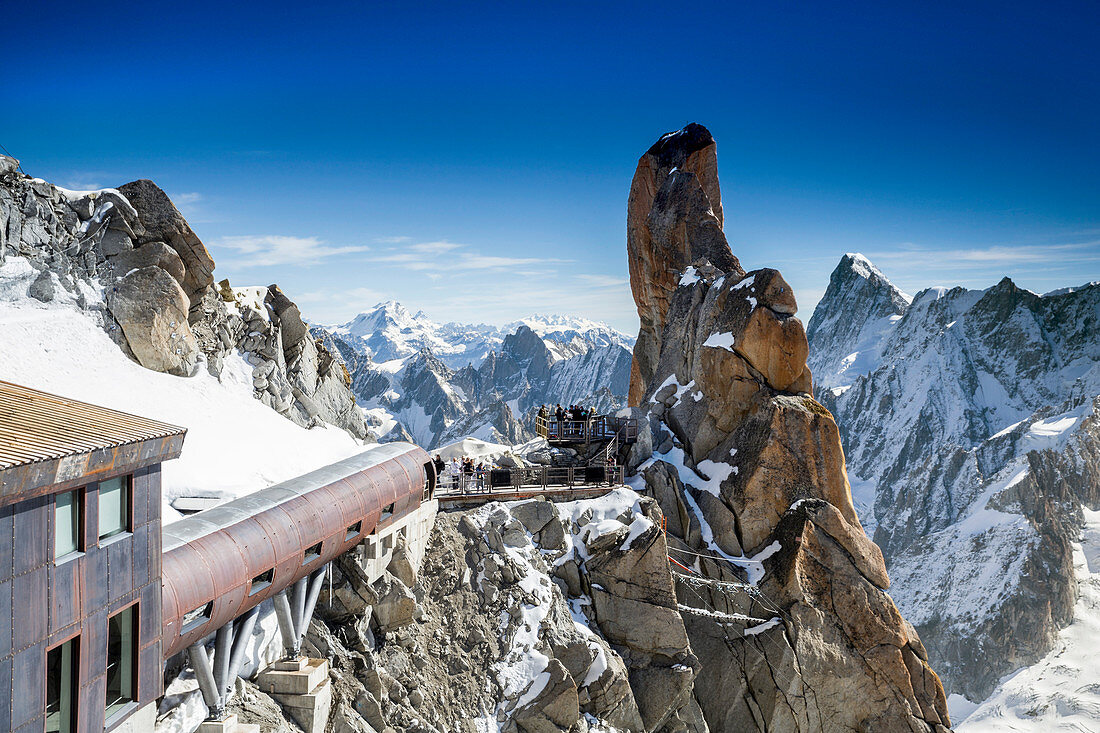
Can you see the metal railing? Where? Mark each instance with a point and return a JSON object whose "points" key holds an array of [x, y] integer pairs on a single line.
{"points": [[498, 480], [598, 427]]}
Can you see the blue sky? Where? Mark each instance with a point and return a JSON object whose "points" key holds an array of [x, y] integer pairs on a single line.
{"points": [[473, 160]]}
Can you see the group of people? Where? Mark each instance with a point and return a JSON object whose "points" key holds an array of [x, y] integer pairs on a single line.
{"points": [[569, 420], [455, 472]]}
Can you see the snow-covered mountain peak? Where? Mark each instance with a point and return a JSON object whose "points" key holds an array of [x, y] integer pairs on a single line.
{"points": [[439, 382], [857, 264], [569, 336], [858, 311]]}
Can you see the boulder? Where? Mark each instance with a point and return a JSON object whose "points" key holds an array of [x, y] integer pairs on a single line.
{"points": [[401, 563], [147, 255], [43, 288], [114, 242], [556, 707], [534, 515], [395, 605], [8, 164], [151, 308]]}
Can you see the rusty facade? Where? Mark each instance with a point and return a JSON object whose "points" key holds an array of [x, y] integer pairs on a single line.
{"points": [[62, 582]]}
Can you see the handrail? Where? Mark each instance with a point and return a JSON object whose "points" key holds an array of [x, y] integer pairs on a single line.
{"points": [[541, 477], [597, 427]]}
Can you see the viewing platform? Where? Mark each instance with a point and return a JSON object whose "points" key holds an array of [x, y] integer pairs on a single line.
{"points": [[595, 429], [564, 483]]}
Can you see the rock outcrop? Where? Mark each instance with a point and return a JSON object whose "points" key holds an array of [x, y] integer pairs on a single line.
{"points": [[674, 217], [162, 222], [783, 594], [151, 308], [159, 301], [525, 616]]}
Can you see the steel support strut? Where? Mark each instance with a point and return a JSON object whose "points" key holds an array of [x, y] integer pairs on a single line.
{"points": [[200, 662], [295, 610], [286, 623]]}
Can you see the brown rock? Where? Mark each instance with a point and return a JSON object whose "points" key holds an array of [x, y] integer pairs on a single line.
{"points": [[775, 347], [151, 308], [788, 450], [556, 707], [674, 218], [720, 368]]}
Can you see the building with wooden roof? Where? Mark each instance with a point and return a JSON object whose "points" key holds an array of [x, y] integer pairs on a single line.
{"points": [[80, 564]]}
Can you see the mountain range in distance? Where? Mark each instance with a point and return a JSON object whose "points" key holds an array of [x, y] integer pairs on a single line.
{"points": [[438, 383]]}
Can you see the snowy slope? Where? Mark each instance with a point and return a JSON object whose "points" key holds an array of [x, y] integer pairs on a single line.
{"points": [[970, 428], [1061, 692], [234, 444]]}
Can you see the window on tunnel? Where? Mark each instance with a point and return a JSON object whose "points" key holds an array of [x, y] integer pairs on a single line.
{"points": [[311, 554], [354, 530], [261, 581], [387, 511], [196, 617]]}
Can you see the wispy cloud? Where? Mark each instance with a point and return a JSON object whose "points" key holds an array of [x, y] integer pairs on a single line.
{"points": [[273, 249], [392, 240], [993, 256], [444, 256], [433, 248], [190, 205], [333, 306], [87, 181], [605, 281]]}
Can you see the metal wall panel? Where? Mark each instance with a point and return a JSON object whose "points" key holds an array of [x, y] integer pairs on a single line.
{"points": [[31, 549], [91, 705], [7, 541], [150, 672], [95, 579], [5, 695], [120, 568], [65, 580], [5, 623], [28, 614], [28, 673]]}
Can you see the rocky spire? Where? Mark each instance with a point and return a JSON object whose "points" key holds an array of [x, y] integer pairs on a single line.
{"points": [[674, 218], [785, 604]]}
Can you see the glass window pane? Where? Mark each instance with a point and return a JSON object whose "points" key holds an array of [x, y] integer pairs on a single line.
{"points": [[61, 688], [66, 523], [120, 660], [114, 507]]}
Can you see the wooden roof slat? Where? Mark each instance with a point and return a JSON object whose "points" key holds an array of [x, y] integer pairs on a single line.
{"points": [[38, 426]]}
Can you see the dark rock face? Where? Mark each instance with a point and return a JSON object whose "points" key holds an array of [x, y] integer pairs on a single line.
{"points": [[787, 603], [968, 421], [163, 222]]}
